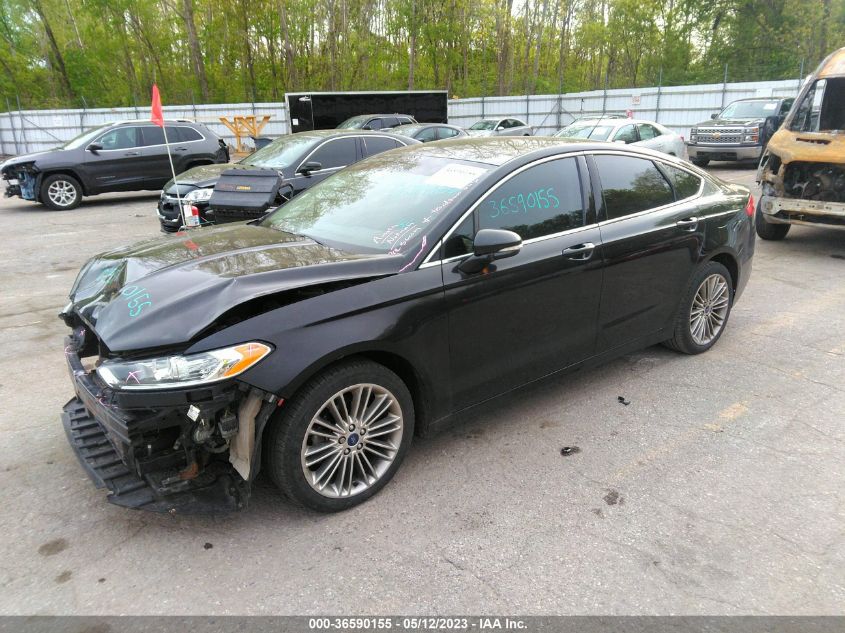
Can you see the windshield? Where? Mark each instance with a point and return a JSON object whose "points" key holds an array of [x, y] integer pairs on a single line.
{"points": [[750, 110], [593, 131], [83, 139], [484, 124], [380, 205], [354, 123], [280, 153]]}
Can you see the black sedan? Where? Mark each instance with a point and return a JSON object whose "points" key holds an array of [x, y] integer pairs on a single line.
{"points": [[303, 159], [314, 343], [426, 132]]}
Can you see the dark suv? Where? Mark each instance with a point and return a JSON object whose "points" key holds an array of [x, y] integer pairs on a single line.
{"points": [[376, 121], [123, 156]]}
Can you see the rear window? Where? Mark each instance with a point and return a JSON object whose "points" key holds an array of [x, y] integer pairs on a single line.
{"points": [[631, 185], [685, 184]]}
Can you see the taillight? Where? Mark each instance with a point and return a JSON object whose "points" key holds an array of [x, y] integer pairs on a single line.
{"points": [[749, 208]]}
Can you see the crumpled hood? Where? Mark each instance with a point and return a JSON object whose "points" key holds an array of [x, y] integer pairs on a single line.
{"points": [[164, 291], [28, 158], [731, 122]]}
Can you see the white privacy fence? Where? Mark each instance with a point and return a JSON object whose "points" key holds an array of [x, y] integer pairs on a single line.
{"points": [[678, 107]]}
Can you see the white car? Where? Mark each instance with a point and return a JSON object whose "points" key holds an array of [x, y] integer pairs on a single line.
{"points": [[643, 133], [500, 127]]}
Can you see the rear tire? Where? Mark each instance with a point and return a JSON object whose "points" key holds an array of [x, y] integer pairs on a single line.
{"points": [[60, 192], [769, 230], [700, 162], [704, 310], [325, 431]]}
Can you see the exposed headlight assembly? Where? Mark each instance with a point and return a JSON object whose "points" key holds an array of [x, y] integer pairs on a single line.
{"points": [[199, 195], [169, 372]]}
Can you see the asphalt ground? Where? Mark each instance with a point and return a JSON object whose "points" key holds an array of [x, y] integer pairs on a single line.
{"points": [[717, 490]]}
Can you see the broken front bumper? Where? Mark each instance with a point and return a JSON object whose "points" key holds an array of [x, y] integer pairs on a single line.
{"points": [[797, 211], [118, 442]]}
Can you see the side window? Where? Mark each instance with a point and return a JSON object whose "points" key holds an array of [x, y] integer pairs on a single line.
{"points": [[631, 185], [374, 124], [153, 135], [378, 144], [336, 153], [785, 106], [683, 182], [446, 132], [460, 241], [428, 134], [120, 138], [541, 200], [403, 120], [516, 123], [185, 134], [627, 133], [647, 132], [391, 121]]}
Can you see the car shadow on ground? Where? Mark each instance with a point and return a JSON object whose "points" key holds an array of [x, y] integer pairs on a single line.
{"points": [[267, 505]]}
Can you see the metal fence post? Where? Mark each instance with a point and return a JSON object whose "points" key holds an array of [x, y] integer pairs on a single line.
{"points": [[724, 87], [23, 127], [527, 108], [800, 76], [659, 90], [12, 123], [482, 106]]}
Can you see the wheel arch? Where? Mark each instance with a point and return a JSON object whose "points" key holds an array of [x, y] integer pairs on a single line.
{"points": [[729, 261], [420, 389], [66, 171]]}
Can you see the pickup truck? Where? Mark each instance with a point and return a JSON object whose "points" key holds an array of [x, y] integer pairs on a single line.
{"points": [[739, 132]]}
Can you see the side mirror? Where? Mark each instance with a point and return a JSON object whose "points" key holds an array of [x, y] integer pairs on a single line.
{"points": [[94, 148], [500, 128], [490, 245], [367, 127], [310, 166], [714, 116]]}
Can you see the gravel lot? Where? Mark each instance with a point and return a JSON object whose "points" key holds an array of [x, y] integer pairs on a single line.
{"points": [[718, 490]]}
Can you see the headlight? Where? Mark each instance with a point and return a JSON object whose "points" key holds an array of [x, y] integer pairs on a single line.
{"points": [[751, 135], [199, 195], [182, 371]]}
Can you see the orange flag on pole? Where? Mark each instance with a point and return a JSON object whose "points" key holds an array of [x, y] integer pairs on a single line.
{"points": [[157, 115]]}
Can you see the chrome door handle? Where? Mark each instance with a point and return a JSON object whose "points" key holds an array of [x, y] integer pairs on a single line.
{"points": [[132, 154], [181, 149], [579, 252], [687, 223]]}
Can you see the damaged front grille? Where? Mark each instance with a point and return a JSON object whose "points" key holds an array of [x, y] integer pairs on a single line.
{"points": [[815, 181]]}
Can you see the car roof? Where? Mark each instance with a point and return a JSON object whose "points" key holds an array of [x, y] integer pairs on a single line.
{"points": [[772, 98], [833, 65], [611, 120], [343, 132], [498, 150]]}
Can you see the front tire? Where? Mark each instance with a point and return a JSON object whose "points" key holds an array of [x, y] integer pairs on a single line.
{"points": [[342, 437], [769, 230], [60, 192], [704, 310], [700, 162]]}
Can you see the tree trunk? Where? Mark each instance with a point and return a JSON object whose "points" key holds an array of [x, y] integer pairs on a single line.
{"points": [[412, 55], [193, 42], [54, 47], [290, 61]]}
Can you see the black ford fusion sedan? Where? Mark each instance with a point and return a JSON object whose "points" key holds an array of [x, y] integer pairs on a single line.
{"points": [[314, 343]]}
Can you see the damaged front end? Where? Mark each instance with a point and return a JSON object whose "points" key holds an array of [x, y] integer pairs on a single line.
{"points": [[802, 174], [188, 449], [21, 180]]}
